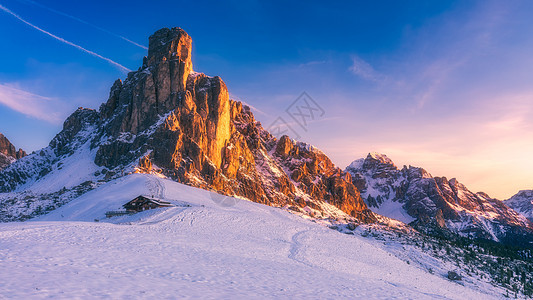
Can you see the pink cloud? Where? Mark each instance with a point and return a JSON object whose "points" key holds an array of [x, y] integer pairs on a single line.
{"points": [[32, 105]]}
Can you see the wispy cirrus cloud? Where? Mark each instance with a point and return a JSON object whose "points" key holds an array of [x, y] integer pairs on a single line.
{"points": [[32, 105], [364, 70], [86, 23], [121, 67], [312, 63]]}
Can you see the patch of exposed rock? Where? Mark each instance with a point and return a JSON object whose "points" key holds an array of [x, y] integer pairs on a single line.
{"points": [[8, 153]]}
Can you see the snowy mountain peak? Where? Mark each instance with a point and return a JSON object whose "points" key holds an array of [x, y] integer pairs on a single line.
{"points": [[373, 161], [522, 203], [357, 164], [382, 158], [524, 194]]}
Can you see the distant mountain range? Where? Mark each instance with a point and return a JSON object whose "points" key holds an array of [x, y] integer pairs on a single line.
{"points": [[167, 119], [414, 196]]}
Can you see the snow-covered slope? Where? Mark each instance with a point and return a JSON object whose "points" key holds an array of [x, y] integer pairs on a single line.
{"points": [[522, 203], [412, 194], [200, 249], [48, 178]]}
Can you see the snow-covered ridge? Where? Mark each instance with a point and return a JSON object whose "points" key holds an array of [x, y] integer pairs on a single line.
{"points": [[412, 194], [381, 158], [522, 203], [356, 164]]}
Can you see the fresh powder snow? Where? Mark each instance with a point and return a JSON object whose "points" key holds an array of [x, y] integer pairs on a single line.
{"points": [[199, 249]]}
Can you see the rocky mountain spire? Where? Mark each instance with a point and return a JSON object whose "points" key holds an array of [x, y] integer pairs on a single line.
{"points": [[165, 85], [184, 124], [165, 118], [8, 152], [171, 47]]}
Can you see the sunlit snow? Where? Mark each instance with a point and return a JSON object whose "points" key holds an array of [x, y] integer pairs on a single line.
{"points": [[199, 249]]}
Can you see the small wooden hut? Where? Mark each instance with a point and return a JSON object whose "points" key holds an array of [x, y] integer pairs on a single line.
{"points": [[142, 203]]}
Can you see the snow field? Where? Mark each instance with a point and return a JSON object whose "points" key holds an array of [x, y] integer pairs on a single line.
{"points": [[203, 251]]}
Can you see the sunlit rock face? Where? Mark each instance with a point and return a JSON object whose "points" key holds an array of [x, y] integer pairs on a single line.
{"points": [[412, 195], [167, 106], [8, 153], [168, 119]]}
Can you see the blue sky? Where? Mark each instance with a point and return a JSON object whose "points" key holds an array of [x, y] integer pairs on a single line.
{"points": [[446, 85]]}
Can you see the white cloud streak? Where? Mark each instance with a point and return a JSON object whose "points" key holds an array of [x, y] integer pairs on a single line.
{"points": [[87, 23], [29, 104], [121, 67], [364, 70]]}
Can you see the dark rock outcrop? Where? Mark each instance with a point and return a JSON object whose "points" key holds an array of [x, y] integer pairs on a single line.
{"points": [[8, 152]]}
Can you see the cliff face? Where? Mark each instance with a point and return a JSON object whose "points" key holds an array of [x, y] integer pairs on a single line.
{"points": [[184, 125], [8, 152], [165, 118], [412, 195]]}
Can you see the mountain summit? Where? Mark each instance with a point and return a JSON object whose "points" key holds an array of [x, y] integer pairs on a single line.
{"points": [[165, 118]]}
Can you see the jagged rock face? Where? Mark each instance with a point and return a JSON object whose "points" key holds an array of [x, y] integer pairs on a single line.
{"points": [[522, 203], [195, 107], [8, 152], [76, 125], [413, 195], [156, 88], [314, 176], [78, 130], [168, 119], [170, 49], [184, 125]]}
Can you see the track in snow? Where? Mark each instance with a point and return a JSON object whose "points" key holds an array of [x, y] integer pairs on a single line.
{"points": [[203, 251], [297, 250], [156, 188]]}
